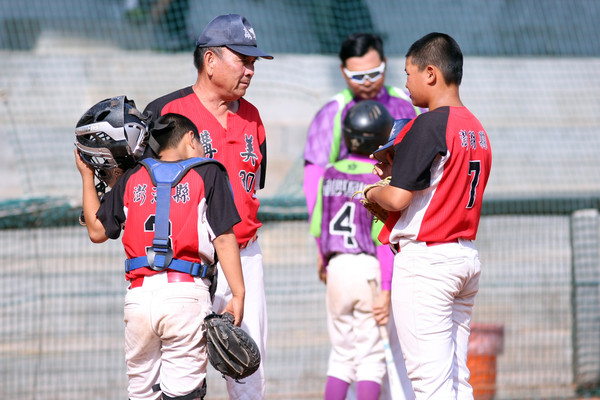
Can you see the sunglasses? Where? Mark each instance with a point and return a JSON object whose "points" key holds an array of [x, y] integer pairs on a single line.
{"points": [[361, 77]]}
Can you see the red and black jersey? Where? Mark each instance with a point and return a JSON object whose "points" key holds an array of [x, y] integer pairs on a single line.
{"points": [[202, 208], [444, 157], [241, 148]]}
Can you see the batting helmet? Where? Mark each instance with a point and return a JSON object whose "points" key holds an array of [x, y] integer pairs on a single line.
{"points": [[111, 136], [367, 125]]}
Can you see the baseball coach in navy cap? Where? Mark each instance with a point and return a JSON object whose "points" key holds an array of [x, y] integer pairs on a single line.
{"points": [[231, 132], [233, 31]]}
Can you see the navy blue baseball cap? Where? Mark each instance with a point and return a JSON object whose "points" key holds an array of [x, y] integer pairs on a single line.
{"points": [[380, 153], [234, 32]]}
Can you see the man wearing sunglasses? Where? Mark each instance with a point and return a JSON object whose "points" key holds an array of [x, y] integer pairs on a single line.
{"points": [[363, 66]]}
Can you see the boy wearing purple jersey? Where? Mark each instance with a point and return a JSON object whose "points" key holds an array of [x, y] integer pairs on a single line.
{"points": [[347, 238]]}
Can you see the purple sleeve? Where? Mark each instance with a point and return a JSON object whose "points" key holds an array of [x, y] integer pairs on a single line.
{"points": [[312, 176], [320, 135], [386, 265]]}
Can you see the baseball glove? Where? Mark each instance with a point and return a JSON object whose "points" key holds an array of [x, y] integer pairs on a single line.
{"points": [[231, 351], [378, 212]]}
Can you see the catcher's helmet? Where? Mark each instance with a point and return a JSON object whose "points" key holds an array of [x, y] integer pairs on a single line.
{"points": [[367, 125], [111, 136]]}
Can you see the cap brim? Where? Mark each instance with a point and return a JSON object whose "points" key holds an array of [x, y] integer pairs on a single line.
{"points": [[381, 153], [251, 51]]}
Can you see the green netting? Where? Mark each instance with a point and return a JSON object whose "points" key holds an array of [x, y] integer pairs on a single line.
{"points": [[506, 28], [530, 76]]}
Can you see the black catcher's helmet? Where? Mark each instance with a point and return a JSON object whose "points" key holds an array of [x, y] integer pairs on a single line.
{"points": [[111, 136], [367, 125]]}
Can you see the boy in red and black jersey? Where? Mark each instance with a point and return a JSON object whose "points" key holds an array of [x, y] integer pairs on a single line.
{"points": [[164, 305], [440, 167]]}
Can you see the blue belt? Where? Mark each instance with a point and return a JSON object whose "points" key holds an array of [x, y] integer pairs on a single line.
{"points": [[193, 268]]}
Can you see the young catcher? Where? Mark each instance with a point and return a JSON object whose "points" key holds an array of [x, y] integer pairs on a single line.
{"points": [[439, 169], [177, 214], [346, 235]]}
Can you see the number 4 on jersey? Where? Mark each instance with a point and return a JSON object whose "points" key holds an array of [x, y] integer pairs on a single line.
{"points": [[342, 224]]}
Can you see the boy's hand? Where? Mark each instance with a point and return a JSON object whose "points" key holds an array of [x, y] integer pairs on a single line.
{"points": [[384, 169], [235, 307], [228, 252], [374, 208], [84, 168], [91, 202], [322, 269], [381, 307], [231, 350]]}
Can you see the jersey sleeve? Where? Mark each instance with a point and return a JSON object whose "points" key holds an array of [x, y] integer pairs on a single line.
{"points": [[154, 110], [384, 255], [312, 175], [316, 218], [386, 266], [221, 212], [112, 208], [263, 150], [416, 151], [320, 135]]}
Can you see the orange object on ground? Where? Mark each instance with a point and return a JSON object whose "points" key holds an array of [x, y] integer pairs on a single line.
{"points": [[485, 343]]}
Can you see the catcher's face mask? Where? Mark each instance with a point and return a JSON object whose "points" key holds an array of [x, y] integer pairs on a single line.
{"points": [[110, 137]]}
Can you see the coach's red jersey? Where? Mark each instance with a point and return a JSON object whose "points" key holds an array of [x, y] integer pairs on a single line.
{"points": [[444, 157], [241, 148], [201, 209]]}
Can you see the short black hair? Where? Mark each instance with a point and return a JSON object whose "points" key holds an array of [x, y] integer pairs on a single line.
{"points": [[441, 51], [358, 44], [199, 55], [169, 129]]}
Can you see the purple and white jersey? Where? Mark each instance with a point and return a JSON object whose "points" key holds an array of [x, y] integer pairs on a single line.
{"points": [[325, 144], [339, 222]]}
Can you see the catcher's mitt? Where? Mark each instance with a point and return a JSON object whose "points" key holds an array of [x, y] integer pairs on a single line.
{"points": [[231, 351], [378, 212]]}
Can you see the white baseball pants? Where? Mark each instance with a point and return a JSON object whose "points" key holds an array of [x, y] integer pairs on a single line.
{"points": [[164, 337], [255, 319], [433, 293], [357, 349]]}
